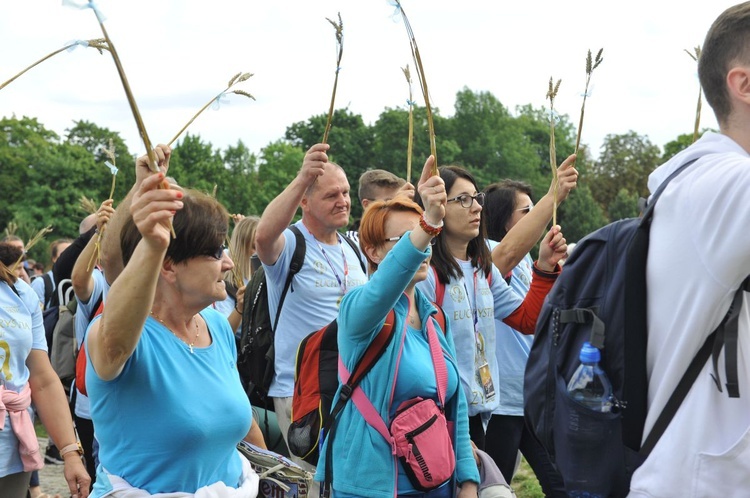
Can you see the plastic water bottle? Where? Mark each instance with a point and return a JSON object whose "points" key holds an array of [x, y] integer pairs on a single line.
{"points": [[589, 384]]}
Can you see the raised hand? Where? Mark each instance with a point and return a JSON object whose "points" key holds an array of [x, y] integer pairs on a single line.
{"points": [[432, 191], [552, 249]]}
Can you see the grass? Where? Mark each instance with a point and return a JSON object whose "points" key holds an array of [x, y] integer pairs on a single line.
{"points": [[39, 428], [525, 483]]}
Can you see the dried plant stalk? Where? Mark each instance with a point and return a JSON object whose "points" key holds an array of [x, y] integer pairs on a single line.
{"points": [[422, 83], [111, 164], [410, 143], [153, 164], [339, 27], [98, 43], [31, 243], [590, 66], [87, 205], [237, 78], [12, 228], [551, 94], [695, 56]]}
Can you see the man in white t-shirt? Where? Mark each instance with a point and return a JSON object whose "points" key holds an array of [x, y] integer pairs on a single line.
{"points": [[331, 267], [699, 254]]}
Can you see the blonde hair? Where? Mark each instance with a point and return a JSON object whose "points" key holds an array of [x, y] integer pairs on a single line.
{"points": [[242, 246]]}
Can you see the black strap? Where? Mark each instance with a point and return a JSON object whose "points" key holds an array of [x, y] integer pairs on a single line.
{"points": [[298, 259], [583, 316], [48, 289], [727, 337], [357, 251], [682, 389], [635, 378]]}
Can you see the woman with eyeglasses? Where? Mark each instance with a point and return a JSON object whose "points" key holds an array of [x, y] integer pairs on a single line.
{"points": [[166, 398], [508, 212], [395, 236], [473, 294]]}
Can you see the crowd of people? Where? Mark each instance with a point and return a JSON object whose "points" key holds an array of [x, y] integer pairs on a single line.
{"points": [[445, 266]]}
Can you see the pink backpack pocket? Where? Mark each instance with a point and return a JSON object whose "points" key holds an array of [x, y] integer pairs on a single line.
{"points": [[423, 443]]}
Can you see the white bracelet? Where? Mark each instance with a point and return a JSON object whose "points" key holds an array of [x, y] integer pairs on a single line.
{"points": [[427, 222]]}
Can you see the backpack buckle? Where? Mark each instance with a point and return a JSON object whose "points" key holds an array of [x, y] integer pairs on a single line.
{"points": [[346, 392]]}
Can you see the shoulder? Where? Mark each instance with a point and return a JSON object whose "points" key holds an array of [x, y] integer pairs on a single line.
{"points": [[27, 295]]}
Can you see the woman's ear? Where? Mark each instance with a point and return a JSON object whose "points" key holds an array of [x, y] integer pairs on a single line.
{"points": [[373, 254], [168, 270]]}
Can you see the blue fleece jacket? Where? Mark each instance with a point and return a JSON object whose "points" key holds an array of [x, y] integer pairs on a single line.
{"points": [[362, 460]]}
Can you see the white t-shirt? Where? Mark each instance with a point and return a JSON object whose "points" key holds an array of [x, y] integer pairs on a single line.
{"points": [[84, 311], [699, 253], [465, 299], [312, 300]]}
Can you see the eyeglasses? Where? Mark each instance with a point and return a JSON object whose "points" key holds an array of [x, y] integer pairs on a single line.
{"points": [[526, 209], [218, 253], [399, 237], [467, 200]]}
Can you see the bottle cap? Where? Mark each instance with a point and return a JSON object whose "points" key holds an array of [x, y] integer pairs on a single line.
{"points": [[589, 354]]}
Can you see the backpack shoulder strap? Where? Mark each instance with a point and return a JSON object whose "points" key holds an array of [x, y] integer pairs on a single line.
{"points": [[298, 259], [356, 250], [48, 288], [440, 318], [368, 360], [636, 334], [439, 288]]}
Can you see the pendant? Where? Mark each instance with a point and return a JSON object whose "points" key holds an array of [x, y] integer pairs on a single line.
{"points": [[191, 348]]}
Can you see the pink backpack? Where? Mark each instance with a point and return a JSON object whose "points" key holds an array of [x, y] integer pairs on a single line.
{"points": [[419, 434]]}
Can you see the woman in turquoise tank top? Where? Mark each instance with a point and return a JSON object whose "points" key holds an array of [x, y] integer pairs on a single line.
{"points": [[166, 398]]}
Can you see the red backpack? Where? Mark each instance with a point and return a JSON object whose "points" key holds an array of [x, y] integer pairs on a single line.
{"points": [[316, 382]]}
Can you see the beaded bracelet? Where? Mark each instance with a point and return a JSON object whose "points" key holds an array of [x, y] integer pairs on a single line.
{"points": [[429, 228]]}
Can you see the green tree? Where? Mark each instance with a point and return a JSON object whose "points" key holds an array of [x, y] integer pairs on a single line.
{"points": [[351, 144], [625, 162], [580, 214], [195, 164], [95, 140], [278, 165], [241, 166], [624, 205]]}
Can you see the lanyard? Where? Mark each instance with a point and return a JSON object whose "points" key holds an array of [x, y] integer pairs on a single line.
{"points": [[475, 315], [342, 284]]}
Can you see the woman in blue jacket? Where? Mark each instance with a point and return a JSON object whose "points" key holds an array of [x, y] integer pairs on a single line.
{"points": [[396, 236]]}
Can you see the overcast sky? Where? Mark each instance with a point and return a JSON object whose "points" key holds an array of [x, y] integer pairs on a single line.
{"points": [[179, 54]]}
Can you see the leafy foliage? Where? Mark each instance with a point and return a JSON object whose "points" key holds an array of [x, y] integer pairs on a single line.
{"points": [[45, 176]]}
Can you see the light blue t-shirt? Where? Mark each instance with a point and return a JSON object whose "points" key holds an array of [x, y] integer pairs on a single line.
{"points": [[463, 297], [38, 285], [416, 377], [83, 312], [226, 307], [172, 419], [512, 347], [312, 300], [21, 330]]}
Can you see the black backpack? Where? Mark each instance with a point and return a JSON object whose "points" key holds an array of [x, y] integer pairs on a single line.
{"points": [[601, 298], [255, 360]]}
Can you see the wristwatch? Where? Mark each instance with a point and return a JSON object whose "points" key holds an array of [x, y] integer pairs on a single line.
{"points": [[72, 447]]}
